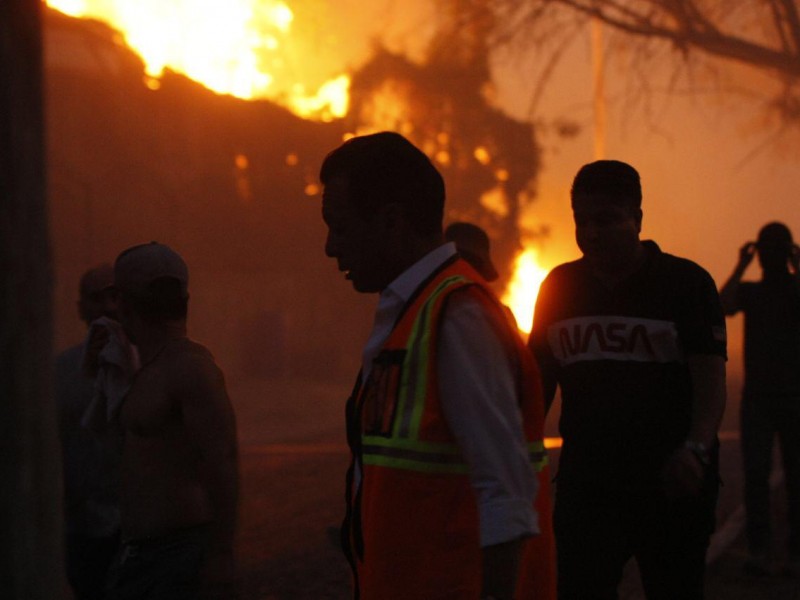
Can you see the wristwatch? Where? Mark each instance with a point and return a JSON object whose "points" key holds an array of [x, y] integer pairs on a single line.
{"points": [[700, 451]]}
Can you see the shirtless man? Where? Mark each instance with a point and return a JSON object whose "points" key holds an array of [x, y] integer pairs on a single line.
{"points": [[179, 466]]}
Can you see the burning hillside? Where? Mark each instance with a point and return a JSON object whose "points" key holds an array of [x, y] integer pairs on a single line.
{"points": [[231, 182], [239, 47]]}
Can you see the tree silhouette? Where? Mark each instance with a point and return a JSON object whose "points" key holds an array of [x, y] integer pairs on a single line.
{"points": [[761, 34], [488, 159]]}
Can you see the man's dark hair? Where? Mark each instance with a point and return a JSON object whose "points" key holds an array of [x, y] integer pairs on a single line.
{"points": [[613, 180], [162, 300], [777, 236], [385, 168]]}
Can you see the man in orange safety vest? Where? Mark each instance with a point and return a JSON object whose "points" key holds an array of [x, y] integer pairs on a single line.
{"points": [[448, 489]]}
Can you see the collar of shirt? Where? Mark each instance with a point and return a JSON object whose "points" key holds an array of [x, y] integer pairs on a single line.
{"points": [[394, 297]]}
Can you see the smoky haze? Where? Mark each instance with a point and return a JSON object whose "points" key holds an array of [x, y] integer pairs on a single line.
{"points": [[222, 180], [184, 166], [715, 165], [232, 184]]}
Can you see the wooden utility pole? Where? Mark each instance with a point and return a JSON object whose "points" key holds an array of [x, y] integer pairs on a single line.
{"points": [[31, 565]]}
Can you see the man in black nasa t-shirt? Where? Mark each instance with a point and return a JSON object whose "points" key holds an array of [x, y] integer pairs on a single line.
{"points": [[635, 338]]}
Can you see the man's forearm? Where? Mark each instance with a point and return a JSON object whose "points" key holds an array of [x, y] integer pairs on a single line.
{"points": [[549, 385], [500, 569], [708, 384], [730, 291]]}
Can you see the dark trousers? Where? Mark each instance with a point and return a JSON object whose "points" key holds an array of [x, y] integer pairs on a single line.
{"points": [[599, 529], [168, 567], [88, 561], [762, 418]]}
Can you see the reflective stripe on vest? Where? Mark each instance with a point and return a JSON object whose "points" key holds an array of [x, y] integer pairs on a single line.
{"points": [[403, 449], [537, 455], [430, 457]]}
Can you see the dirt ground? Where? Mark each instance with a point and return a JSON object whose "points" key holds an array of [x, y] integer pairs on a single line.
{"points": [[289, 502], [293, 459]]}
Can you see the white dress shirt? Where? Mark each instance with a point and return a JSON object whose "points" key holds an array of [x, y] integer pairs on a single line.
{"points": [[477, 387]]}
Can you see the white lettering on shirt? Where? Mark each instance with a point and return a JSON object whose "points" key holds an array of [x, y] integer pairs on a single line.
{"points": [[614, 338]]}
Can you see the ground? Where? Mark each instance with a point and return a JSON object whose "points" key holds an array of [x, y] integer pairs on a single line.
{"points": [[293, 463]]}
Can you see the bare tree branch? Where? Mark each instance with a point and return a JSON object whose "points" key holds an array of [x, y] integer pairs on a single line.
{"points": [[787, 24], [692, 29], [761, 34]]}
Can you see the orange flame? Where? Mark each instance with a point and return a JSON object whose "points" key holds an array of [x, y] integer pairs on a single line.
{"points": [[523, 288], [236, 47], [387, 109]]}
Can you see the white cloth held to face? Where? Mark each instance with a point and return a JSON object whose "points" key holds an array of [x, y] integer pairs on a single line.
{"points": [[117, 363]]}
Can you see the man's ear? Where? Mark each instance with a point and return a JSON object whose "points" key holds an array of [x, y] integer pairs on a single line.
{"points": [[638, 216], [394, 217]]}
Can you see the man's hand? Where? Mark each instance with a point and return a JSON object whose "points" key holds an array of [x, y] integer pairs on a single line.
{"points": [[729, 294], [683, 474], [98, 338], [746, 254], [794, 259], [500, 569]]}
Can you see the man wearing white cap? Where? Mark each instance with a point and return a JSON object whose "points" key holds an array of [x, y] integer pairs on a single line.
{"points": [[179, 466]]}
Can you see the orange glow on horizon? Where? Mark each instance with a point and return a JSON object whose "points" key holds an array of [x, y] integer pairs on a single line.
{"points": [[523, 288], [236, 47]]}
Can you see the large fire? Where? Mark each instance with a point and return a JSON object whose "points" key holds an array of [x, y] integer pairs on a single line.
{"points": [[521, 292], [237, 47], [248, 49]]}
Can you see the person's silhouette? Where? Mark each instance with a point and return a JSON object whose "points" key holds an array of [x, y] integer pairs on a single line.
{"points": [[473, 245], [635, 339], [771, 395], [90, 459]]}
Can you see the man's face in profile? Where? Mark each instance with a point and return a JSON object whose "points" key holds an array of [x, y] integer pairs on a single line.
{"points": [[607, 232], [358, 244], [98, 303], [97, 296]]}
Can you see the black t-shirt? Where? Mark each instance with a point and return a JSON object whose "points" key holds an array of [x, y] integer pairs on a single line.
{"points": [[619, 356], [771, 336]]}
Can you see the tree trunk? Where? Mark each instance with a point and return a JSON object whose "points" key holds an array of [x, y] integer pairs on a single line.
{"points": [[31, 565]]}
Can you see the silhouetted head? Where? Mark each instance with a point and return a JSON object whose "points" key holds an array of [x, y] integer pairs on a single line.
{"points": [[606, 206], [382, 201], [152, 281], [385, 168], [96, 297], [774, 246], [611, 181], [473, 245]]}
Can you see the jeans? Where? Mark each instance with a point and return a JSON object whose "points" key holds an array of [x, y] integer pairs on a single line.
{"points": [[762, 418], [168, 567], [598, 529], [88, 562]]}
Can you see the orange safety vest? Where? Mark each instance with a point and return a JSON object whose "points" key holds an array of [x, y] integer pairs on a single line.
{"points": [[411, 529]]}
